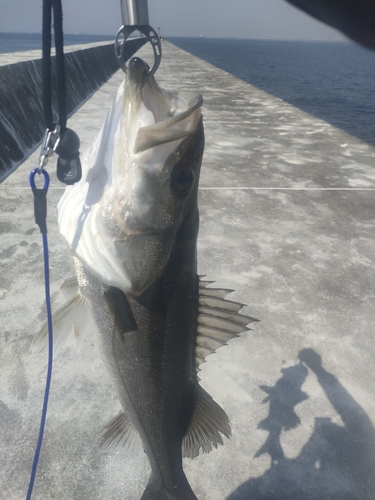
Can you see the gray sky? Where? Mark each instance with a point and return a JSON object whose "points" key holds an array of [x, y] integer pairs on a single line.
{"points": [[268, 19]]}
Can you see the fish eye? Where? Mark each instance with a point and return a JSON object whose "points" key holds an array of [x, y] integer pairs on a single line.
{"points": [[182, 178]]}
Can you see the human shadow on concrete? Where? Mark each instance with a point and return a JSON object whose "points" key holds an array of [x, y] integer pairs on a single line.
{"points": [[337, 462]]}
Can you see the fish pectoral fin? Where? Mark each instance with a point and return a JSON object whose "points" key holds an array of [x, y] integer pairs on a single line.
{"points": [[207, 424], [74, 312], [120, 434], [121, 312]]}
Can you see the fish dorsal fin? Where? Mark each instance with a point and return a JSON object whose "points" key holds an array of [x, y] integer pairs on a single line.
{"points": [[120, 434], [73, 314], [219, 320], [207, 424], [204, 283]]}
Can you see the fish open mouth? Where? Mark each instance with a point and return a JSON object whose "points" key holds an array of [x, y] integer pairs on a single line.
{"points": [[161, 117]]}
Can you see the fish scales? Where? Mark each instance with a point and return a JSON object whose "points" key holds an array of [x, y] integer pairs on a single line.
{"points": [[131, 224]]}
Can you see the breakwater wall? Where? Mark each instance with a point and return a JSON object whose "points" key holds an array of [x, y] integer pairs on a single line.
{"points": [[21, 111]]}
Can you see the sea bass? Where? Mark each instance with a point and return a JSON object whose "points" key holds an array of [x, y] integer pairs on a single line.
{"points": [[132, 226]]}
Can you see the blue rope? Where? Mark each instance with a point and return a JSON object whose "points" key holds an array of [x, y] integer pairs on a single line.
{"points": [[39, 196]]}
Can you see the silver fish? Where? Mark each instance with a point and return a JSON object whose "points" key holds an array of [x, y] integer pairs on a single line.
{"points": [[132, 226]]}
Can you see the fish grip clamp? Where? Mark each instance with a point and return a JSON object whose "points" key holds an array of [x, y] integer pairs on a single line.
{"points": [[135, 18], [40, 199]]}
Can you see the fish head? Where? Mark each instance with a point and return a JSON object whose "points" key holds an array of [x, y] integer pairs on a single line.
{"points": [[139, 181]]}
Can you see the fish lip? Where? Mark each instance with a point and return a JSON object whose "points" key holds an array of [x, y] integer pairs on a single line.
{"points": [[137, 66], [137, 69]]}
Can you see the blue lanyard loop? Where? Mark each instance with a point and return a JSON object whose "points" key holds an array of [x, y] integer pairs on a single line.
{"points": [[40, 213]]}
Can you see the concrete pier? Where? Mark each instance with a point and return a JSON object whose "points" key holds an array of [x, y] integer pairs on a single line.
{"points": [[22, 122], [287, 207]]}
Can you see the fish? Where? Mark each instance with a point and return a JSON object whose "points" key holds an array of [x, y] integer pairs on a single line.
{"points": [[131, 224], [356, 19]]}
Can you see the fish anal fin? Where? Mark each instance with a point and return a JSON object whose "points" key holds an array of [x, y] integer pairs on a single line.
{"points": [[120, 434], [74, 311], [208, 422]]}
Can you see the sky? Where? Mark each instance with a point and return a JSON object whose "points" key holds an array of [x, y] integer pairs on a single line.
{"points": [[261, 19]]}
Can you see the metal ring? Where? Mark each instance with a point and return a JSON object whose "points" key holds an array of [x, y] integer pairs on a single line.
{"points": [[152, 37]]}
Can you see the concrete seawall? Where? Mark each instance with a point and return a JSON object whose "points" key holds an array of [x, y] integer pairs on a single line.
{"points": [[22, 123], [287, 206]]}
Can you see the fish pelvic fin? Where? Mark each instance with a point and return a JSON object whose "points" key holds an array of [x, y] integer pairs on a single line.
{"points": [[70, 287], [207, 424], [73, 315], [219, 320], [120, 434]]}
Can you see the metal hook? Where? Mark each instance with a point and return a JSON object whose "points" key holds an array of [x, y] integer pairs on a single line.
{"points": [[50, 142]]}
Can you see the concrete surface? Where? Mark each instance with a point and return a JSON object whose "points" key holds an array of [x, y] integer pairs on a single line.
{"points": [[287, 220]]}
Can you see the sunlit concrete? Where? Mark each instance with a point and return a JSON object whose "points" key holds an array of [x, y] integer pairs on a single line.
{"points": [[287, 208]]}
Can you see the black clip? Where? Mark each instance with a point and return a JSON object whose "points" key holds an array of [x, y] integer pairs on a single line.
{"points": [[69, 171], [40, 199]]}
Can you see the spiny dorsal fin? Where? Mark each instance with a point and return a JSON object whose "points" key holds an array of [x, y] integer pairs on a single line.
{"points": [[207, 424], [219, 320], [120, 434], [215, 292], [204, 283], [74, 312], [230, 316], [214, 302]]}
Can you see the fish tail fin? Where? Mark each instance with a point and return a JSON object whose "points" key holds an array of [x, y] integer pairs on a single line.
{"points": [[154, 491], [74, 313]]}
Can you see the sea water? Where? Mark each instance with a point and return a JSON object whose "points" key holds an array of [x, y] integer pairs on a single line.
{"points": [[332, 81]]}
